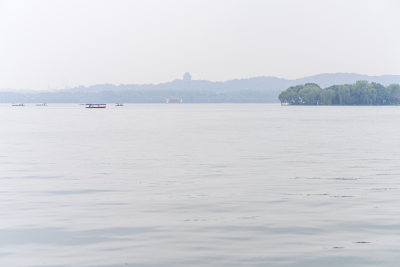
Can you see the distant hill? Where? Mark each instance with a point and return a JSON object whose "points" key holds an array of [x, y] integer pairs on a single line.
{"points": [[251, 90], [329, 79]]}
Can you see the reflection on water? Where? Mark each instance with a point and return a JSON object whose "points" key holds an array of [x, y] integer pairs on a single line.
{"points": [[221, 185]]}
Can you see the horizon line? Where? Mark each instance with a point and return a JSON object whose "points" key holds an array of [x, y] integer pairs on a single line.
{"points": [[180, 79]]}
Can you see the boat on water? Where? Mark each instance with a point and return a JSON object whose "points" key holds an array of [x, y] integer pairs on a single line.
{"points": [[41, 104], [119, 104], [174, 100], [96, 105], [18, 105]]}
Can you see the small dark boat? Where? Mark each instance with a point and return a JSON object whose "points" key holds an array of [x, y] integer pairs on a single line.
{"points": [[96, 105]]}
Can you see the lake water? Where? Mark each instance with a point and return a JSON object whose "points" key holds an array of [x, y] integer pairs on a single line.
{"points": [[201, 184]]}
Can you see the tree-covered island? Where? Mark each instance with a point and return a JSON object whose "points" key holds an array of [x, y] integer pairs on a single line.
{"points": [[360, 93]]}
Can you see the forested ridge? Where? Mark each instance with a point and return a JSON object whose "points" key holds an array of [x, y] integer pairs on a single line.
{"points": [[359, 93]]}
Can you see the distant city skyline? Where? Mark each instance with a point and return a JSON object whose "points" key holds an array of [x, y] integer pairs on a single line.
{"points": [[57, 44]]}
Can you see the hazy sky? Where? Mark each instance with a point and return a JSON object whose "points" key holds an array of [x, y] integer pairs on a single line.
{"points": [[53, 43]]}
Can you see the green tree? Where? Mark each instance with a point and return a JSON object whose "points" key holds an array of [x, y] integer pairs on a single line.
{"points": [[344, 95], [394, 90], [328, 97], [291, 95], [359, 93], [310, 94]]}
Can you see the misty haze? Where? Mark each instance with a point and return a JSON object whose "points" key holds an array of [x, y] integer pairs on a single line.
{"points": [[199, 133]]}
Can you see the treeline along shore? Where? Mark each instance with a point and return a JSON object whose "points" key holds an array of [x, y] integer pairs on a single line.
{"points": [[359, 93]]}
